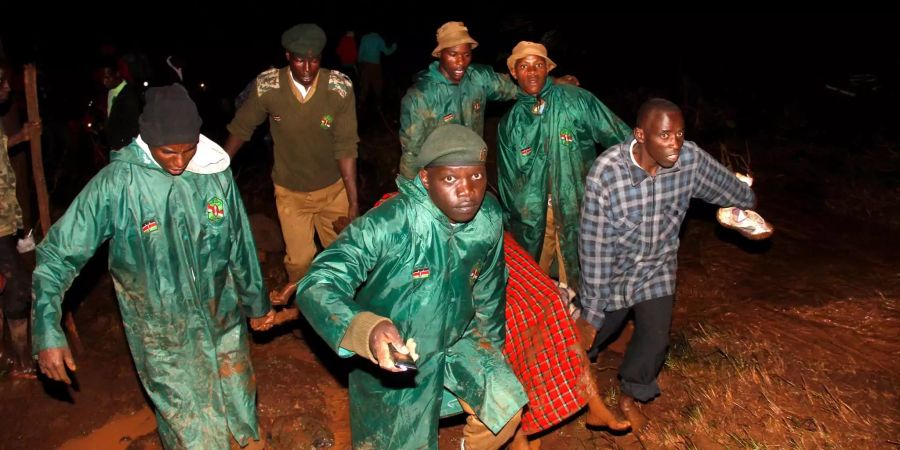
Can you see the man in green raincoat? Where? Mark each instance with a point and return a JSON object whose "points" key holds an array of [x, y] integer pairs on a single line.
{"points": [[450, 90], [426, 266], [184, 266], [545, 147]]}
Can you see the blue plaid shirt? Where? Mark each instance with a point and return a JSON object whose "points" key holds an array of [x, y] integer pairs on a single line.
{"points": [[629, 224]]}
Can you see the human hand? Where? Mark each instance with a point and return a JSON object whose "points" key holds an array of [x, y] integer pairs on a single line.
{"points": [[746, 179], [54, 361], [567, 79], [25, 133], [341, 223], [32, 127], [382, 335]]}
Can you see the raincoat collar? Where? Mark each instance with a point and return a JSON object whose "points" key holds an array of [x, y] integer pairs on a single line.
{"points": [[209, 159], [434, 74], [528, 99]]}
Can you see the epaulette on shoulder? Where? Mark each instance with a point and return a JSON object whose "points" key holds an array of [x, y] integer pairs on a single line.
{"points": [[340, 83], [266, 81]]}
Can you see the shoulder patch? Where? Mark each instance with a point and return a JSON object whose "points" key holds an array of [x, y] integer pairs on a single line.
{"points": [[266, 81], [340, 83]]}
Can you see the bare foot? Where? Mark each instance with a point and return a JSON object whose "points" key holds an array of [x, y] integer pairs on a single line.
{"points": [[600, 416], [633, 413]]}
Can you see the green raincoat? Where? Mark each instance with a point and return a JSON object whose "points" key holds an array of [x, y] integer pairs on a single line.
{"points": [[548, 151], [442, 285], [185, 270], [433, 100]]}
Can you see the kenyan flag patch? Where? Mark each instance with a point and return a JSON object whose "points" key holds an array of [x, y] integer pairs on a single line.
{"points": [[326, 121], [566, 137], [215, 210], [525, 151], [149, 226], [419, 274], [448, 117]]}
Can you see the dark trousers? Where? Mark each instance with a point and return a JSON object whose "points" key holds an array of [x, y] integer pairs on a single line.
{"points": [[646, 352], [16, 298]]}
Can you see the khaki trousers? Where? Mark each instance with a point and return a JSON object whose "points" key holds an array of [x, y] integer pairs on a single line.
{"points": [[550, 250], [304, 213], [477, 436]]}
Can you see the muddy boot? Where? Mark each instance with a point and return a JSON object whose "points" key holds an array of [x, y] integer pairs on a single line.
{"points": [[600, 416], [18, 335], [632, 412]]}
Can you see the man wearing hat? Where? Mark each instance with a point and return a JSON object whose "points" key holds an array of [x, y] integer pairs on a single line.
{"points": [[185, 270], [546, 144], [312, 119], [425, 266], [451, 90]]}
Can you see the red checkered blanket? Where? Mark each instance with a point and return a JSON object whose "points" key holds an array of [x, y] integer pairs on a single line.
{"points": [[541, 344]]}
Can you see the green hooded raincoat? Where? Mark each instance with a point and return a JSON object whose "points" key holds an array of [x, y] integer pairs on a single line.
{"points": [[433, 101], [442, 285], [185, 270], [548, 151]]}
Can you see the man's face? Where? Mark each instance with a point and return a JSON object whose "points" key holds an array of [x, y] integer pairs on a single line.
{"points": [[110, 78], [304, 68], [456, 190], [174, 158], [662, 137], [531, 74], [455, 61]]}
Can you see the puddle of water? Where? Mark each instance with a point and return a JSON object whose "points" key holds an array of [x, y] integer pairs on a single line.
{"points": [[116, 434]]}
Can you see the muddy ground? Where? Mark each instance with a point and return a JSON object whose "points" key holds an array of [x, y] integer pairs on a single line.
{"points": [[792, 342]]}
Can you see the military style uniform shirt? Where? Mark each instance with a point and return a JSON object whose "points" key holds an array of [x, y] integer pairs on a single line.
{"points": [[10, 213], [630, 222], [310, 132]]}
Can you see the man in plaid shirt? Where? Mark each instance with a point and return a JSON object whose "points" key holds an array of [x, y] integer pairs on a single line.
{"points": [[635, 199]]}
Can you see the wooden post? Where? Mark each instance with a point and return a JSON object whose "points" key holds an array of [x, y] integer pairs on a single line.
{"points": [[37, 161], [40, 183]]}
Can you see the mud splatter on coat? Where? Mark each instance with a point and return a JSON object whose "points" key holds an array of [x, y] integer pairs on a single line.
{"points": [[433, 101], [546, 149], [441, 284], [184, 265]]}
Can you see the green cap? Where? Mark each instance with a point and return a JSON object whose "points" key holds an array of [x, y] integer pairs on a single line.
{"points": [[304, 38], [452, 145]]}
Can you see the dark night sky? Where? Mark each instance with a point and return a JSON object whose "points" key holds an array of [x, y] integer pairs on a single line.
{"points": [[760, 58]]}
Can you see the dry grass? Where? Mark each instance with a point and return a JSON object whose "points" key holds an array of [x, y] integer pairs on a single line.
{"points": [[734, 389]]}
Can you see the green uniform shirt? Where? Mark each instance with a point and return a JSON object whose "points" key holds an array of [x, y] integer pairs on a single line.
{"points": [[309, 136]]}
